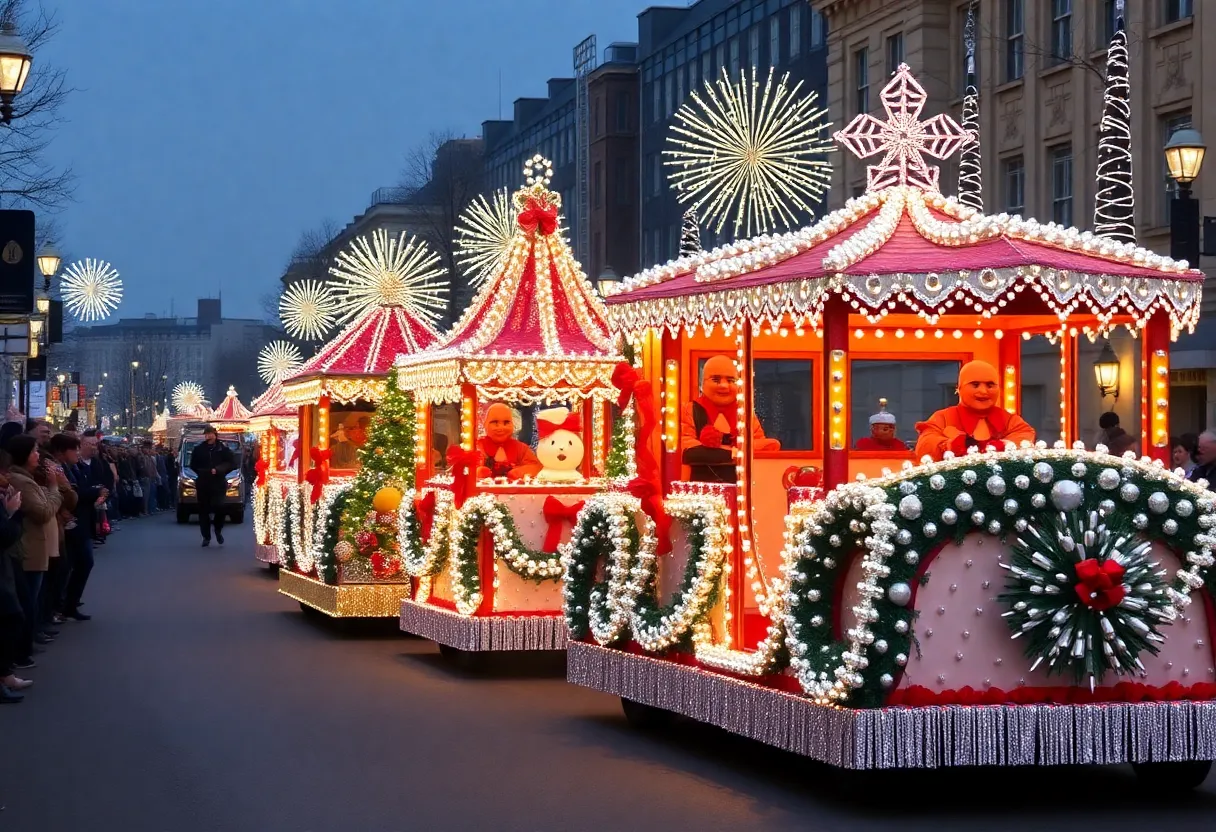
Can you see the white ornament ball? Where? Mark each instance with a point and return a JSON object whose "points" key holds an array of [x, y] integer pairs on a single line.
{"points": [[1066, 495], [1021, 481], [1170, 527], [1011, 507], [1043, 472], [1078, 469], [1158, 502], [1020, 524], [881, 645], [907, 487], [937, 482], [910, 507], [1185, 508], [930, 530], [949, 517], [994, 527], [900, 594], [901, 659], [969, 477], [886, 680], [901, 627], [911, 557], [903, 537], [978, 518], [964, 501], [996, 486], [1129, 492], [1038, 501], [1107, 507], [1140, 521], [1108, 479]]}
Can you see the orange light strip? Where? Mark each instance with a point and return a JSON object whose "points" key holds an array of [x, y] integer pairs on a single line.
{"points": [[839, 389], [671, 405], [1011, 388], [1160, 369], [323, 423]]}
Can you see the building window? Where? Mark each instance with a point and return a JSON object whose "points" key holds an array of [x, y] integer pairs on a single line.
{"points": [[679, 86], [861, 68], [795, 30], [1061, 30], [671, 93], [721, 60], [656, 98], [753, 44], [734, 57], [895, 52], [1013, 177], [1106, 25], [623, 106], [597, 185], [774, 40], [1170, 123], [656, 174], [1015, 37], [819, 31], [1061, 185], [1176, 10], [595, 124], [707, 66]]}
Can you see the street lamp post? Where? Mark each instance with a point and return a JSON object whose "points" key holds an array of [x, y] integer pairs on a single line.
{"points": [[607, 279], [1184, 154], [15, 59], [131, 421]]}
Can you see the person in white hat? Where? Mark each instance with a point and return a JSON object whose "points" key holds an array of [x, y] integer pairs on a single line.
{"points": [[882, 432]]}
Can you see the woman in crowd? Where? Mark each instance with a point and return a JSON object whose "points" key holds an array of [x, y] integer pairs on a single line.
{"points": [[11, 611], [41, 500]]}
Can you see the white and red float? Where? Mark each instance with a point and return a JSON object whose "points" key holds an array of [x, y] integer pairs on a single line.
{"points": [[1006, 606], [275, 424], [480, 534]]}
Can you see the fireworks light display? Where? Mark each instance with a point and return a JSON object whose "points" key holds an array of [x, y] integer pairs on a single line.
{"points": [[389, 271], [483, 235], [308, 310], [189, 399], [278, 360], [91, 289]]}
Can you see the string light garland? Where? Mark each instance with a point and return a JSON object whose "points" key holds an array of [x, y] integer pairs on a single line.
{"points": [[483, 235], [389, 271], [970, 172], [749, 154], [278, 360], [91, 289], [308, 310], [190, 399], [1114, 206], [690, 234]]}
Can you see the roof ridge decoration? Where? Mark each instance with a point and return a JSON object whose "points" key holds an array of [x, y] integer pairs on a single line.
{"points": [[231, 409]]}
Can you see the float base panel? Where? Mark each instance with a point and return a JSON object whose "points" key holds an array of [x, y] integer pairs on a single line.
{"points": [[266, 553], [931, 737], [344, 600], [484, 633]]}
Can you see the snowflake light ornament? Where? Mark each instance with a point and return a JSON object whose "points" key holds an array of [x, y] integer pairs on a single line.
{"points": [[279, 360], [484, 234], [389, 271], [91, 289], [903, 139], [189, 399], [307, 310]]}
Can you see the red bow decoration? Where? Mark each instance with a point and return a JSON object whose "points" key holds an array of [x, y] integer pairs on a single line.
{"points": [[1101, 584], [572, 423], [652, 504], [556, 512], [538, 216], [295, 452], [260, 466], [464, 466], [425, 509], [319, 474]]}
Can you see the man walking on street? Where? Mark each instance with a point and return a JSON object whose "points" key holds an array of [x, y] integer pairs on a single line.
{"points": [[211, 461]]}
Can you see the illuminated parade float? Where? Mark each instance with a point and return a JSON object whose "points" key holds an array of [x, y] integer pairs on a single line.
{"points": [[231, 416], [387, 290], [275, 425], [965, 596], [529, 365]]}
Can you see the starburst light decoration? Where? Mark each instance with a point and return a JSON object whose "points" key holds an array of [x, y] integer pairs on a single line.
{"points": [[91, 289], [483, 235], [389, 271], [190, 399], [308, 310], [903, 139], [278, 360], [750, 153]]}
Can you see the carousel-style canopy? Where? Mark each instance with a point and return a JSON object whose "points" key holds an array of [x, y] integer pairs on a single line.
{"points": [[536, 329], [231, 414], [161, 423], [903, 247], [271, 409], [353, 365]]}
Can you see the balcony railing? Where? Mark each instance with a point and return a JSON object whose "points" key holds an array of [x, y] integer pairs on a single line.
{"points": [[391, 196]]}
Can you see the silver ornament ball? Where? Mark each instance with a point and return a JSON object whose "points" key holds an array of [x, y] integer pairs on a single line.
{"points": [[1066, 495], [899, 594], [996, 486], [1108, 479], [1158, 502]]}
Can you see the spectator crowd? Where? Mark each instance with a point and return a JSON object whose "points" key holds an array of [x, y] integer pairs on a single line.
{"points": [[61, 495]]}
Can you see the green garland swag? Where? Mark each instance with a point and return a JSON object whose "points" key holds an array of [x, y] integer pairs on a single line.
{"points": [[287, 552], [591, 547], [467, 572], [327, 562]]}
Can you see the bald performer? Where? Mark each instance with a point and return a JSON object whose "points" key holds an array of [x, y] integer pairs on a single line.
{"points": [[708, 423], [502, 454], [975, 421]]}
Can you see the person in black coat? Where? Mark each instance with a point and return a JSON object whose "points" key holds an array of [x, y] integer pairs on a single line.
{"points": [[211, 461]]}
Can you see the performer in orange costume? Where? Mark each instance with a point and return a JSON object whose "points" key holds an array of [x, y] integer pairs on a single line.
{"points": [[503, 454], [882, 432], [707, 425], [975, 421]]}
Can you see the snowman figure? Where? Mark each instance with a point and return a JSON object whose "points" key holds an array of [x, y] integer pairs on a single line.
{"points": [[560, 449]]}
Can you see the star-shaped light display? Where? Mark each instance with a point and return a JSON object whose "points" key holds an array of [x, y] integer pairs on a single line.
{"points": [[903, 138]]}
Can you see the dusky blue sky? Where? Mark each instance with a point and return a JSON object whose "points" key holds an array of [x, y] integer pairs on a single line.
{"points": [[206, 135]]}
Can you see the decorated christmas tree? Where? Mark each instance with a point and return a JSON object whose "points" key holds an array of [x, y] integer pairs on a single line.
{"points": [[690, 234], [1114, 208], [970, 179]]}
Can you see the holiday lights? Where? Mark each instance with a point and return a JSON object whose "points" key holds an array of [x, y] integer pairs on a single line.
{"points": [[671, 405], [1114, 206], [970, 173], [389, 271], [1159, 371], [749, 153], [91, 289], [308, 310], [483, 235], [190, 400], [278, 360], [690, 234]]}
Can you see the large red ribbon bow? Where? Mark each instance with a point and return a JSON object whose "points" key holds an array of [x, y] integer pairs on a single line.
{"points": [[538, 216], [425, 509], [1101, 584], [260, 466], [572, 423], [464, 466], [556, 513], [318, 475], [647, 486]]}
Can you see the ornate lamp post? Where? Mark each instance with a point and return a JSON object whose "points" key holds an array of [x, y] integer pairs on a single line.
{"points": [[1184, 154], [15, 60]]}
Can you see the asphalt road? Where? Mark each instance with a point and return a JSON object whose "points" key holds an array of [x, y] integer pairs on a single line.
{"points": [[198, 698]]}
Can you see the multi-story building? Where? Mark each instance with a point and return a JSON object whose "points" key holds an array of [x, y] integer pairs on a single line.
{"points": [[1041, 67], [612, 159], [208, 348], [679, 49]]}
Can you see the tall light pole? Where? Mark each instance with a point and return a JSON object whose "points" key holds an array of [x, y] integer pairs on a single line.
{"points": [[131, 421], [1183, 159], [15, 60]]}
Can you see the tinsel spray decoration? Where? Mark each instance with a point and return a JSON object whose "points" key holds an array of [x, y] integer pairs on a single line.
{"points": [[1114, 208], [690, 234], [970, 173]]}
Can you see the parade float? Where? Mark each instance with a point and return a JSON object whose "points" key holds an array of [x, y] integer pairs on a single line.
{"points": [[388, 291], [231, 416], [275, 425], [530, 363], [982, 600]]}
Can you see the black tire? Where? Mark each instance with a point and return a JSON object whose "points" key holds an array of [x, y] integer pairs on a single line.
{"points": [[1173, 778], [646, 717], [183, 515], [237, 517]]}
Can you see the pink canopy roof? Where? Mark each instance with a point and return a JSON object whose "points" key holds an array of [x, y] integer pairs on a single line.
{"points": [[231, 409]]}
